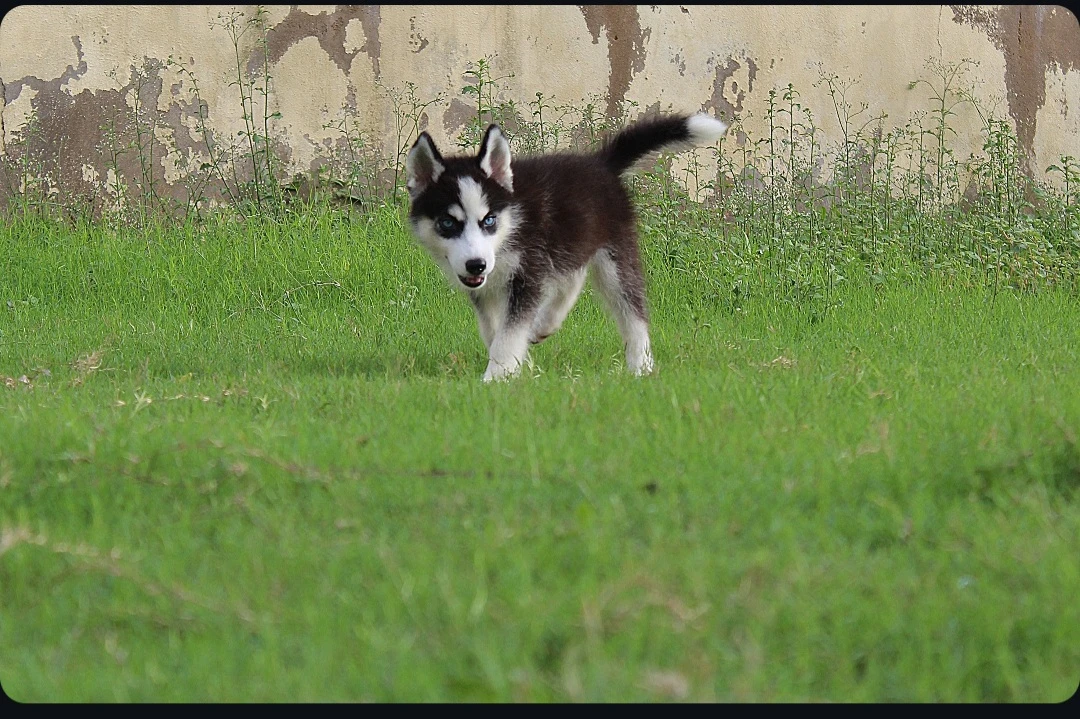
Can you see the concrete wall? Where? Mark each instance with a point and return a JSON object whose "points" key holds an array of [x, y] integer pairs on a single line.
{"points": [[77, 69]]}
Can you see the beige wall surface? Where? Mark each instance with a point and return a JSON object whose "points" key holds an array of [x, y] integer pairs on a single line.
{"points": [[70, 75]]}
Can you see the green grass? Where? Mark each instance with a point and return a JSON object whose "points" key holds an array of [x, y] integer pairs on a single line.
{"points": [[255, 462]]}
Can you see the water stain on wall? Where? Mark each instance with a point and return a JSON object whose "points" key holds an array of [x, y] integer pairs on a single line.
{"points": [[626, 46], [1032, 38], [329, 30], [67, 142]]}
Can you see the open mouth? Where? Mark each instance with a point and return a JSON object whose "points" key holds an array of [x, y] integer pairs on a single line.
{"points": [[472, 281]]}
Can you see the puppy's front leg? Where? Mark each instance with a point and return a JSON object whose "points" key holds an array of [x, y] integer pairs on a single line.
{"points": [[508, 351], [488, 317], [510, 345]]}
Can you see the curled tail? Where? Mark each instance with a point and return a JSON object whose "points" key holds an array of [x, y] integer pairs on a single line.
{"points": [[672, 132]]}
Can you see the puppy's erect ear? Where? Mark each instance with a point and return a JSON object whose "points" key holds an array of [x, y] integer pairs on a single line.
{"points": [[495, 157], [423, 165]]}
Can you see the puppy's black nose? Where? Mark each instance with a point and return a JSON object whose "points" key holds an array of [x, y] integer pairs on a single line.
{"points": [[475, 267]]}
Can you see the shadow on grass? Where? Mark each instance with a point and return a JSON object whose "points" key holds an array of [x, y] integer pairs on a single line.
{"points": [[384, 365]]}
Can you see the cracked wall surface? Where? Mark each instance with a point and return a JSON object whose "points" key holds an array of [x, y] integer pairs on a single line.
{"points": [[78, 82]]}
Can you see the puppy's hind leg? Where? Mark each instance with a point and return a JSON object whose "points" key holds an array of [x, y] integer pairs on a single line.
{"points": [[617, 276]]}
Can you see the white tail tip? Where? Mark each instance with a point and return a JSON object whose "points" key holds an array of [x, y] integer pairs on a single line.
{"points": [[705, 129]]}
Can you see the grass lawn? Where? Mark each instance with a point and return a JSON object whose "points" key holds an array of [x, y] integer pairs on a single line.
{"points": [[256, 463]]}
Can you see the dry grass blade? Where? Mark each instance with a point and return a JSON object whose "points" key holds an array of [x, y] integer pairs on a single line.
{"points": [[86, 365]]}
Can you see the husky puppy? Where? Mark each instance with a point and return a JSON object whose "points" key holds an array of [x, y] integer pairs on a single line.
{"points": [[517, 234]]}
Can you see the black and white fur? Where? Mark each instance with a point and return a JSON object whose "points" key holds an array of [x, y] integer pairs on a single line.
{"points": [[518, 234]]}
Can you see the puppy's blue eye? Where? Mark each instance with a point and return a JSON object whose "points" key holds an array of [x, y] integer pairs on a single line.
{"points": [[446, 224], [488, 221]]}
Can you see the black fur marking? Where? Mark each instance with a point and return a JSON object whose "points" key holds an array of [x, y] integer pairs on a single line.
{"points": [[435, 198], [627, 259], [570, 206], [524, 299], [425, 161], [620, 152], [431, 144], [451, 230]]}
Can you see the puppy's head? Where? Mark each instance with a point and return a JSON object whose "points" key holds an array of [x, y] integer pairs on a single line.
{"points": [[462, 208]]}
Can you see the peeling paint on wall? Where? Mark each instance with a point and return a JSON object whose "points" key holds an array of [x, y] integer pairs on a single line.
{"points": [[457, 115], [330, 30], [626, 46], [726, 86], [1033, 39], [75, 70]]}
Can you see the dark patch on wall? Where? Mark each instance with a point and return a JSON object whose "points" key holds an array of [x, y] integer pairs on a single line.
{"points": [[329, 30], [100, 129], [416, 41], [626, 46], [722, 75], [457, 115], [14, 87], [680, 63], [370, 19], [65, 135], [3, 104], [1032, 38], [66, 130]]}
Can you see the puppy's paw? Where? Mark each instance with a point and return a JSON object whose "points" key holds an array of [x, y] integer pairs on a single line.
{"points": [[644, 366], [497, 373]]}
